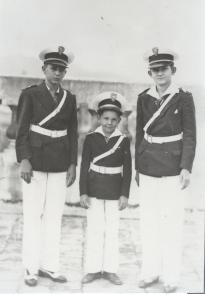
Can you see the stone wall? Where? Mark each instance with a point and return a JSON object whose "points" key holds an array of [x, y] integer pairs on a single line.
{"points": [[85, 91]]}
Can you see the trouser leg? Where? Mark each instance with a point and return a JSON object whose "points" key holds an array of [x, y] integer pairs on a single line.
{"points": [[95, 236], [171, 221], [149, 227], [33, 201], [111, 247], [52, 218]]}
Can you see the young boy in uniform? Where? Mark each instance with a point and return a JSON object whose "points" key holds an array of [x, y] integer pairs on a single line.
{"points": [[104, 188], [165, 150], [46, 148]]}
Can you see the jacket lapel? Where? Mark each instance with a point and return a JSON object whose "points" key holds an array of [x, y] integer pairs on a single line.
{"points": [[45, 98], [173, 89], [61, 93], [174, 100]]}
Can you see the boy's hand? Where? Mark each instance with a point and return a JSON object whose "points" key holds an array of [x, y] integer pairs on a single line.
{"points": [[123, 201], [71, 175], [85, 201], [26, 171], [184, 178], [137, 178]]}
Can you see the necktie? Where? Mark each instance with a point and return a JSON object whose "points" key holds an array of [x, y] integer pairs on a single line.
{"points": [[163, 98], [55, 97]]}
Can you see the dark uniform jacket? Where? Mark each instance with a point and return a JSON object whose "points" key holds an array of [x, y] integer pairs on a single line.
{"points": [[166, 159], [105, 186], [45, 153]]}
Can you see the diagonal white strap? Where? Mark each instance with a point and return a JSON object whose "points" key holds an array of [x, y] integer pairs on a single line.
{"points": [[157, 113], [55, 111], [109, 152]]}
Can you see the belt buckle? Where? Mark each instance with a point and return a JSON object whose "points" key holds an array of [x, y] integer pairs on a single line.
{"points": [[101, 169], [54, 134], [149, 138]]}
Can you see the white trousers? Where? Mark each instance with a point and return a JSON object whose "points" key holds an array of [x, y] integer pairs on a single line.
{"points": [[43, 204], [102, 246], [161, 223]]}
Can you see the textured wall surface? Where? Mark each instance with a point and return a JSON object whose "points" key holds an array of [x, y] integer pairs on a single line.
{"points": [[85, 91], [10, 88]]}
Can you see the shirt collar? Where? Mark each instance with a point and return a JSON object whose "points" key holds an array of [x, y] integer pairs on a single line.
{"points": [[116, 132], [58, 90], [172, 89]]}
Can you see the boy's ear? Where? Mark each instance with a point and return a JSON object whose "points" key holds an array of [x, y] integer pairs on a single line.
{"points": [[174, 69], [149, 73]]}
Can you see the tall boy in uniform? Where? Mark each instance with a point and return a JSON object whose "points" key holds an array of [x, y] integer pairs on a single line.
{"points": [[104, 188], [46, 148], [165, 150]]}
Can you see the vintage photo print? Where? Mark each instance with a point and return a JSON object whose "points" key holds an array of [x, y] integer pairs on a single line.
{"points": [[102, 118]]}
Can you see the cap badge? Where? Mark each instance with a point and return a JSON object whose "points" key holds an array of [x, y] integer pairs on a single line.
{"points": [[113, 96], [61, 49], [155, 50]]}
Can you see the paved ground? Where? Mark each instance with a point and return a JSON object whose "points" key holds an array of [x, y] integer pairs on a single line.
{"points": [[72, 248]]}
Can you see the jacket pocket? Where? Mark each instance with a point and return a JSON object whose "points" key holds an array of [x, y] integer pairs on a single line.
{"points": [[176, 152], [35, 139]]}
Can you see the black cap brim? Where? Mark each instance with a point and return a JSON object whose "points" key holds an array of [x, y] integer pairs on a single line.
{"points": [[104, 108], [160, 64]]}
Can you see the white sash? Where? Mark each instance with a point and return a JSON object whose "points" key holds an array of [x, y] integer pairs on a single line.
{"points": [[55, 111], [109, 152], [157, 113]]}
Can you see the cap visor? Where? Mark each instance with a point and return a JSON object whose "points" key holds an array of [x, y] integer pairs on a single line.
{"points": [[104, 108], [159, 64], [56, 63]]}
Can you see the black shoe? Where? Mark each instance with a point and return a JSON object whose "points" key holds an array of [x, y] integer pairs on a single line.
{"points": [[54, 276], [144, 283], [113, 278], [91, 277], [30, 280]]}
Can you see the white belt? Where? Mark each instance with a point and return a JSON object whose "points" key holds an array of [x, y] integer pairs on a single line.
{"points": [[46, 132], [161, 140], [105, 169]]}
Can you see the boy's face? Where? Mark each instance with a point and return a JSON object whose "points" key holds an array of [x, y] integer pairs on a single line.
{"points": [[54, 73], [109, 120], [162, 75]]}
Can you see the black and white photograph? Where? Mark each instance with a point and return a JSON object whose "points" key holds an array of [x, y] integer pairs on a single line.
{"points": [[102, 118]]}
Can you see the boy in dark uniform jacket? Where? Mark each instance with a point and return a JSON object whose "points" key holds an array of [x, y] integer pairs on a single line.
{"points": [[46, 148], [165, 150], [104, 188]]}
